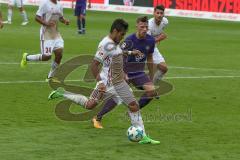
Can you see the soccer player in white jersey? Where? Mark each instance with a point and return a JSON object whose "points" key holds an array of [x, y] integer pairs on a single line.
{"points": [[20, 6], [48, 15], [156, 26], [111, 83]]}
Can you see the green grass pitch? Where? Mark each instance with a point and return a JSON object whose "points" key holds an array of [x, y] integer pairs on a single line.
{"points": [[198, 120]]}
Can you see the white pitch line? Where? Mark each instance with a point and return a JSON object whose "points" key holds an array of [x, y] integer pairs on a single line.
{"points": [[206, 69], [18, 63], [184, 77], [202, 77], [174, 67]]}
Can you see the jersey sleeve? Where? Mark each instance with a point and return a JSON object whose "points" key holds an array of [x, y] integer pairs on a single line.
{"points": [[150, 26], [61, 10], [100, 54], [41, 10], [165, 22]]}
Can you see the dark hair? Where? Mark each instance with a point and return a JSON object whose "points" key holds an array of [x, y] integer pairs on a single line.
{"points": [[142, 19], [119, 24], [160, 7]]}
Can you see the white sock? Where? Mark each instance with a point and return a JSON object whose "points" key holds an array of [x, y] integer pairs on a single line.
{"points": [[157, 76], [136, 120], [35, 57], [77, 98], [10, 12], [24, 16], [53, 69]]}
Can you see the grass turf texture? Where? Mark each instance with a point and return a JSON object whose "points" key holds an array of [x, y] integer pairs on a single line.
{"points": [[198, 120]]}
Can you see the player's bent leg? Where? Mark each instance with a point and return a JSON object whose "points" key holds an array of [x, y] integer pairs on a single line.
{"points": [[148, 95]]}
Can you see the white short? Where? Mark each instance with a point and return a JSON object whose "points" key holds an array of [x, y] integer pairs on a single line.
{"points": [[18, 3], [157, 56], [48, 46]]}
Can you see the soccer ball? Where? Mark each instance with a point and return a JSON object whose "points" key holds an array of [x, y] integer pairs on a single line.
{"points": [[135, 134]]}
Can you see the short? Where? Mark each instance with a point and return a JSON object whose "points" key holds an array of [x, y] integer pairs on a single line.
{"points": [[139, 80], [80, 10], [122, 92], [48, 46], [18, 3], [157, 56]]}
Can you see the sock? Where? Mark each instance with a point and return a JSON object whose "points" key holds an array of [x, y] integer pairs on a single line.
{"points": [[10, 12], [53, 69], [157, 76], [77, 98], [35, 57], [136, 120], [144, 100], [83, 23], [109, 105], [24, 16], [79, 23]]}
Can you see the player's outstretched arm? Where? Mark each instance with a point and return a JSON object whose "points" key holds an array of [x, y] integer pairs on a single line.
{"points": [[95, 68]]}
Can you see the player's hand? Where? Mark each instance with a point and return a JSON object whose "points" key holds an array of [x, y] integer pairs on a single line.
{"points": [[126, 78], [66, 22], [101, 87], [137, 53], [161, 37]]}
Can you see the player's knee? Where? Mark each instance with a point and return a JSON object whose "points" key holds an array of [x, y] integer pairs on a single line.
{"points": [[163, 68], [82, 17], [133, 106], [150, 93], [46, 57], [90, 104]]}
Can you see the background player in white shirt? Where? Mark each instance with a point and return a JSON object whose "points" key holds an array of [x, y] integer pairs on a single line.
{"points": [[48, 15], [19, 4], [156, 27]]}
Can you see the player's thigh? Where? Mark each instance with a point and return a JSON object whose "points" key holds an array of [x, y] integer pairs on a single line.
{"points": [[19, 3], [47, 47], [124, 92], [77, 11], [58, 46], [83, 11], [157, 56], [140, 80]]}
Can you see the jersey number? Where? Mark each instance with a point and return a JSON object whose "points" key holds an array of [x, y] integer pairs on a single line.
{"points": [[48, 50]]}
